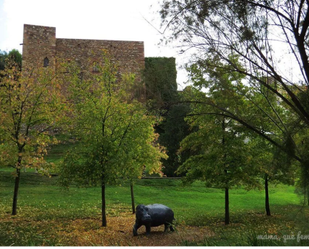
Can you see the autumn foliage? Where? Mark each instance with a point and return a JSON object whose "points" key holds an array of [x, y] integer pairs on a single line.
{"points": [[31, 107]]}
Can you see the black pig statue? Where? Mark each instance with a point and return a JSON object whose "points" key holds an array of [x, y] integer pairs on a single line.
{"points": [[152, 216]]}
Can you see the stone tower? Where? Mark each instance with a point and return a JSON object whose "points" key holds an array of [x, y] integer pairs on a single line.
{"points": [[39, 47]]}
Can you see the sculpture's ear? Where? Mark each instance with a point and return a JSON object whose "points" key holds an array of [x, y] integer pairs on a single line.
{"points": [[140, 206]]}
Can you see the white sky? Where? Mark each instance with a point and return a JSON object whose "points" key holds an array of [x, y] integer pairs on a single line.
{"points": [[87, 19]]}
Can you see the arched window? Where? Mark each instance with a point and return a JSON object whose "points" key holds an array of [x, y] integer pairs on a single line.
{"points": [[46, 62]]}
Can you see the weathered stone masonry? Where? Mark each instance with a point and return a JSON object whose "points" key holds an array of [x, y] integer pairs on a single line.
{"points": [[42, 48], [39, 43]]}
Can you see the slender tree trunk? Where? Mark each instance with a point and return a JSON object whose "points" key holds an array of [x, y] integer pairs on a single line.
{"points": [[104, 223], [267, 206], [227, 207], [17, 180], [306, 195], [132, 198], [16, 188], [227, 201]]}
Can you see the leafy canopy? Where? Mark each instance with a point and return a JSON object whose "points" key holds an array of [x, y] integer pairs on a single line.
{"points": [[31, 106], [115, 137]]}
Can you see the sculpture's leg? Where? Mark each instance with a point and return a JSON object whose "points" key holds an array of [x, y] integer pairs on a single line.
{"points": [[135, 227], [166, 227], [147, 229], [171, 228]]}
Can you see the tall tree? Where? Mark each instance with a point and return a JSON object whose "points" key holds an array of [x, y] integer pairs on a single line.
{"points": [[115, 136], [267, 161], [271, 165], [257, 32], [220, 155], [30, 107]]}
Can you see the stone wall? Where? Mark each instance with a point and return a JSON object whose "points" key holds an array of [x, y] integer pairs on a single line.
{"points": [[42, 48], [128, 55]]}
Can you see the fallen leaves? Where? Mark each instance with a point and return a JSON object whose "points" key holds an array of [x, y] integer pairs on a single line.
{"points": [[87, 232], [21, 231]]}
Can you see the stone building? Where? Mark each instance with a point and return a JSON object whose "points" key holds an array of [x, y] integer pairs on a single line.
{"points": [[41, 48]]}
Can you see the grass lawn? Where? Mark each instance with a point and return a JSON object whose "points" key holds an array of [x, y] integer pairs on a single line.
{"points": [[50, 215]]}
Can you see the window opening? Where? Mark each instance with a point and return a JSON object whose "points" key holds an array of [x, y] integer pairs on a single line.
{"points": [[46, 62]]}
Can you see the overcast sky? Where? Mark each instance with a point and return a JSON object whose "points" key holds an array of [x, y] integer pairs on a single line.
{"points": [[87, 19]]}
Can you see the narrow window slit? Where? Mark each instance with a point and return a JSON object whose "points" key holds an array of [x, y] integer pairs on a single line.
{"points": [[46, 62]]}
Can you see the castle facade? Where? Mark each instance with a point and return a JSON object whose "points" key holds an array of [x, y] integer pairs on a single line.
{"points": [[41, 48]]}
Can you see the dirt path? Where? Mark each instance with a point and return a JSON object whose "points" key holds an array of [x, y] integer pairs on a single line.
{"points": [[87, 232]]}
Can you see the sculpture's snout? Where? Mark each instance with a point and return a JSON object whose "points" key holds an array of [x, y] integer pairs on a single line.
{"points": [[142, 214], [146, 218]]}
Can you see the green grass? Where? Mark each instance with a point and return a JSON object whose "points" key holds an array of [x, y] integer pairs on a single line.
{"points": [[56, 152], [42, 204], [189, 202], [42, 200]]}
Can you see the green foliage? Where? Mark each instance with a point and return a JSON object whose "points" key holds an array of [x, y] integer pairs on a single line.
{"points": [[274, 103], [164, 100], [232, 120], [172, 131], [31, 105], [30, 108], [160, 79], [219, 152], [3, 56], [116, 139], [13, 58]]}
